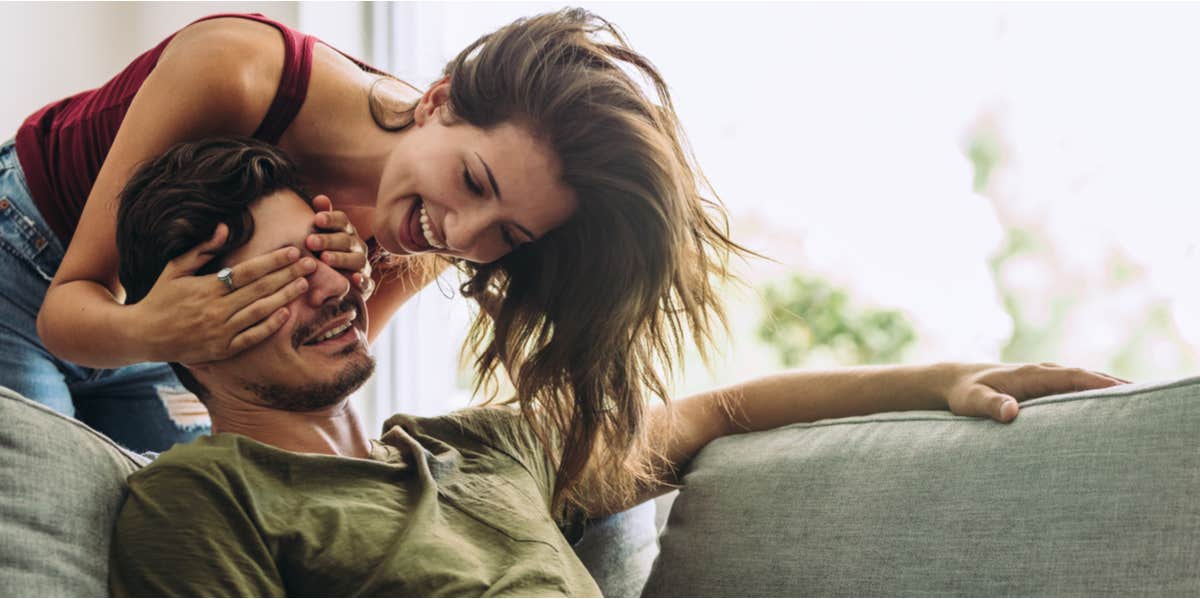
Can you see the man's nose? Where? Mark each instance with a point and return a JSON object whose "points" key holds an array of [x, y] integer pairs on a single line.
{"points": [[326, 283]]}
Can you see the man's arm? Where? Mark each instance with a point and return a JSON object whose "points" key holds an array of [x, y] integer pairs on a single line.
{"points": [[681, 430], [989, 390]]}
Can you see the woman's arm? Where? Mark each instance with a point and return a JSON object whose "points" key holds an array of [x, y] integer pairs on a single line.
{"points": [[216, 77]]}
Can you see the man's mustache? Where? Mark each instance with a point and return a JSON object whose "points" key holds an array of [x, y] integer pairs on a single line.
{"points": [[328, 313]]}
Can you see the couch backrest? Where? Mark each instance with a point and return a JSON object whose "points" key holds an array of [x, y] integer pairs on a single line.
{"points": [[1087, 494], [62, 484]]}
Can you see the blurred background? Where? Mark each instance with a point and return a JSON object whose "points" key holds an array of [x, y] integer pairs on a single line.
{"points": [[996, 182]]}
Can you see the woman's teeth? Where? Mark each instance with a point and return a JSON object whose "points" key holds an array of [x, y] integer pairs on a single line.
{"points": [[428, 231]]}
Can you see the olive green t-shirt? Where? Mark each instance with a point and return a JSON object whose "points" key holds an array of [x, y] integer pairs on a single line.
{"points": [[451, 506]]}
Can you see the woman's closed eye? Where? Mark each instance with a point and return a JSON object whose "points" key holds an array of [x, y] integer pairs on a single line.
{"points": [[478, 190], [471, 184]]}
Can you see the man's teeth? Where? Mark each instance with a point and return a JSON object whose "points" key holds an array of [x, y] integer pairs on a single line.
{"points": [[429, 232], [333, 333]]}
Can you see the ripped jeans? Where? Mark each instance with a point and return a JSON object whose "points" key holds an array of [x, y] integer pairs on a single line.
{"points": [[143, 407]]}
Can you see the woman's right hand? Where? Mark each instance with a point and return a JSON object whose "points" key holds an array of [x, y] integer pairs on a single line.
{"points": [[193, 319]]}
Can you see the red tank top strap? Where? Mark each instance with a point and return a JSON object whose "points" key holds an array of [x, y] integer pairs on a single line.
{"points": [[293, 87]]}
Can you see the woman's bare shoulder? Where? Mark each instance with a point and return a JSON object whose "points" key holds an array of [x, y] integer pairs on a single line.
{"points": [[230, 46], [218, 33]]}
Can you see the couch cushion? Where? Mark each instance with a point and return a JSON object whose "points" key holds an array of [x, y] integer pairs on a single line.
{"points": [[62, 486], [1093, 493]]}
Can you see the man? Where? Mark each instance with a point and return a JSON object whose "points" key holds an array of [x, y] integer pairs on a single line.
{"points": [[288, 496]]}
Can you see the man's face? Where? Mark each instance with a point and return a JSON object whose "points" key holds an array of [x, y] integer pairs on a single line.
{"points": [[300, 367]]}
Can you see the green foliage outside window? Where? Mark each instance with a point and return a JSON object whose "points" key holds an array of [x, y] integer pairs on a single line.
{"points": [[807, 314]]}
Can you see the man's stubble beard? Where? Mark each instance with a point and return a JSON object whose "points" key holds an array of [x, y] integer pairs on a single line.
{"points": [[320, 395]]}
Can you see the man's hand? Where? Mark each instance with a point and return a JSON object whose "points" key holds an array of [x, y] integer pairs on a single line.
{"points": [[993, 390]]}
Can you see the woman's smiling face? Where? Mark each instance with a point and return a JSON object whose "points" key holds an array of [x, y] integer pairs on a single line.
{"points": [[458, 190]]}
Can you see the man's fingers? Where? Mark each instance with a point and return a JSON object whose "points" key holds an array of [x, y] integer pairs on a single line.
{"points": [[1003, 407], [195, 258], [1116, 378], [1085, 379]]}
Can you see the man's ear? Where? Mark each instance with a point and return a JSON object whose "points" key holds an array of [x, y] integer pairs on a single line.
{"points": [[436, 98]]}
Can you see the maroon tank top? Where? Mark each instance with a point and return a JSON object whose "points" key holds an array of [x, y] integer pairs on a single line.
{"points": [[62, 146]]}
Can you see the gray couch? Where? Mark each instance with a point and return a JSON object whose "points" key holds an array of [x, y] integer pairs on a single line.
{"points": [[1090, 493]]}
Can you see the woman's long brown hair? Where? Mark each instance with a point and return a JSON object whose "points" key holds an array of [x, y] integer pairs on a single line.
{"points": [[582, 319]]}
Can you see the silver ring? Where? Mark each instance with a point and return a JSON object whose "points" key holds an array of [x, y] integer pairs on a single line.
{"points": [[226, 276]]}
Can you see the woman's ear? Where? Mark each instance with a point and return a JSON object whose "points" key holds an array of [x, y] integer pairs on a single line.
{"points": [[435, 98]]}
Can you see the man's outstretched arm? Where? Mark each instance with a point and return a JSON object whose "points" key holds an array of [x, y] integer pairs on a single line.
{"points": [[988, 390]]}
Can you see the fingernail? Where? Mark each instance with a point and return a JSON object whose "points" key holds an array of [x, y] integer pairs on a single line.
{"points": [[308, 264], [293, 253]]}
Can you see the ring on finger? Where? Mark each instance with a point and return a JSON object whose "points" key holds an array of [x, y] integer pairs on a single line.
{"points": [[225, 275]]}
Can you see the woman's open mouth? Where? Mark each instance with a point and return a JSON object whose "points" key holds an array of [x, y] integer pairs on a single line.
{"points": [[414, 234]]}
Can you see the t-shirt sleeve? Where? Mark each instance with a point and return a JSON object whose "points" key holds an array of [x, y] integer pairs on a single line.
{"points": [[513, 434], [182, 532], [506, 431]]}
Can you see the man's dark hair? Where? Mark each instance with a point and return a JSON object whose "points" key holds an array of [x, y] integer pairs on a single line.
{"points": [[175, 202]]}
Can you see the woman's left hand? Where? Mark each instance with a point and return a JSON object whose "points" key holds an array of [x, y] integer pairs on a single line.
{"points": [[339, 245], [993, 390]]}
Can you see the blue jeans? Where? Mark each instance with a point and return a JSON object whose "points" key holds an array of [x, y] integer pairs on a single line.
{"points": [[143, 407]]}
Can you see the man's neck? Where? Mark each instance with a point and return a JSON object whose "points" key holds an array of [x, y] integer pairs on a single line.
{"points": [[335, 430]]}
